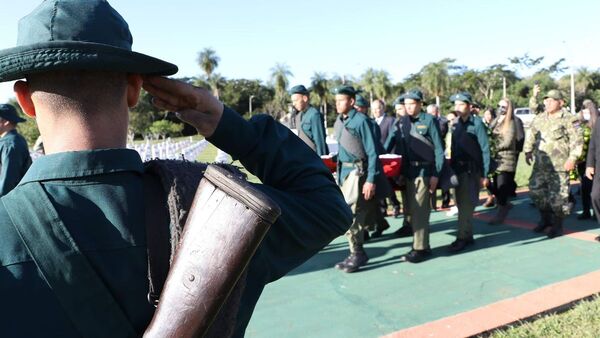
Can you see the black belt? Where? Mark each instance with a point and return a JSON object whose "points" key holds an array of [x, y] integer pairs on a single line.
{"points": [[465, 162]]}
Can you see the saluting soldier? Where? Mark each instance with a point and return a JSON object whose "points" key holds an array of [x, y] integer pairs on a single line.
{"points": [[470, 159], [359, 172], [309, 121], [419, 138], [554, 142]]}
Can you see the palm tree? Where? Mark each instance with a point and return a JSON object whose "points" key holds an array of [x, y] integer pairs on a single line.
{"points": [[320, 88], [216, 82], [279, 79], [208, 61], [383, 85], [435, 79]]}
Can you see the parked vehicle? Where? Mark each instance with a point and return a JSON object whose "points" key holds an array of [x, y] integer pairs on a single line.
{"points": [[525, 114]]}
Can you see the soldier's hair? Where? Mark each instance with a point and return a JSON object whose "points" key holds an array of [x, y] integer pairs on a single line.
{"points": [[591, 106], [380, 102], [82, 91]]}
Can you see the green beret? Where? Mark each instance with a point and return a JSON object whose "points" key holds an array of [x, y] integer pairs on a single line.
{"points": [[555, 94], [462, 96], [8, 112], [414, 94], [399, 100], [299, 89], [361, 101], [76, 35], [345, 90]]}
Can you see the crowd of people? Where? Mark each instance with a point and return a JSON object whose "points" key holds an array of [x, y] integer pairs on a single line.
{"points": [[459, 154]]}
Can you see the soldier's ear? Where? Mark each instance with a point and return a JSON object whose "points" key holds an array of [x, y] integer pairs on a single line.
{"points": [[23, 94], [134, 86]]}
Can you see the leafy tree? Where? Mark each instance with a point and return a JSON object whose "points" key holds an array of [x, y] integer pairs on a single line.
{"points": [[435, 78], [319, 89], [164, 128], [28, 129], [236, 94]]}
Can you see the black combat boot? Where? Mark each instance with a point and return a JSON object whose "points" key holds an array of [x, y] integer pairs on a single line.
{"points": [[381, 227], [501, 214], [545, 221], [405, 231], [353, 262], [416, 256], [557, 228]]}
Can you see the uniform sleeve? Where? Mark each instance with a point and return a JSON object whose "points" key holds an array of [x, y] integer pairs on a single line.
{"points": [[368, 141], [9, 169], [318, 133], [390, 142], [534, 106], [484, 143], [313, 210], [530, 137], [436, 138], [575, 133]]}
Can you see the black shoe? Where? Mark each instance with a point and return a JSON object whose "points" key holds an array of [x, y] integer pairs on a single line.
{"points": [[585, 215], [366, 236], [445, 205], [353, 262], [545, 221], [377, 233], [597, 239], [404, 231], [557, 229], [396, 211], [460, 244], [416, 256]]}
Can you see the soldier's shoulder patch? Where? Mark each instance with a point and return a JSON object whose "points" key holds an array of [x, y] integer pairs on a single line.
{"points": [[421, 126]]}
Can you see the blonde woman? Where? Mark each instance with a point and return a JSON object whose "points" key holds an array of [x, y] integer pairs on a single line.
{"points": [[504, 137]]}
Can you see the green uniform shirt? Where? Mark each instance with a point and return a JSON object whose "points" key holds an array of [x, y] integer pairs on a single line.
{"points": [[554, 140], [358, 125], [99, 197], [428, 127], [313, 127], [14, 160], [477, 132]]}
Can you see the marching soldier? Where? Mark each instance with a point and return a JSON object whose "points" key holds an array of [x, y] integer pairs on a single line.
{"points": [[555, 142], [470, 159], [308, 121], [423, 153]]}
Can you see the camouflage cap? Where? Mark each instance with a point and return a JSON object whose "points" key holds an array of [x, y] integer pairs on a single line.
{"points": [[462, 96], [554, 94], [345, 90], [414, 94], [299, 89], [361, 101]]}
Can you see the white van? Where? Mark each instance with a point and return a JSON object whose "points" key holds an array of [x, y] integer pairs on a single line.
{"points": [[525, 114]]}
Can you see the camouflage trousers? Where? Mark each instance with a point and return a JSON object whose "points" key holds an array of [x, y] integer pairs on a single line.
{"points": [[549, 190]]}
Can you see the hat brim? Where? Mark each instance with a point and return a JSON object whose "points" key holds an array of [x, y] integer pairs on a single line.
{"points": [[18, 62]]}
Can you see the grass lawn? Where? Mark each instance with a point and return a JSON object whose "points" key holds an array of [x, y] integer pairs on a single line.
{"points": [[583, 320]]}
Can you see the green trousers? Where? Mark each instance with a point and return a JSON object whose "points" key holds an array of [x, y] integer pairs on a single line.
{"points": [[468, 184], [418, 197], [364, 215]]}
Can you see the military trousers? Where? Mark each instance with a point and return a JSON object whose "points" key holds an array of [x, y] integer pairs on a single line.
{"points": [[365, 215], [467, 189], [549, 190], [418, 198]]}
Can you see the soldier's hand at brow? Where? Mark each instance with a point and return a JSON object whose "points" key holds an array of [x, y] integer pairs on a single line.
{"points": [[589, 172], [368, 190], [193, 105], [569, 165]]}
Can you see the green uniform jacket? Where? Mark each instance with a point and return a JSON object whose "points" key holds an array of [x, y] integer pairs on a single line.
{"points": [[313, 127], [554, 140], [477, 131], [426, 126], [14, 160], [99, 196], [358, 125]]}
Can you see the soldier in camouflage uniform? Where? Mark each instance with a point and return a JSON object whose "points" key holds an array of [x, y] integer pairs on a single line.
{"points": [[555, 142]]}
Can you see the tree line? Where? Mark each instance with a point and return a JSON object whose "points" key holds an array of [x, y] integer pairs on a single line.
{"points": [[438, 80]]}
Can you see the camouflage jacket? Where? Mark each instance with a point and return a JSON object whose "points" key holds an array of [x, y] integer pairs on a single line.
{"points": [[554, 140]]}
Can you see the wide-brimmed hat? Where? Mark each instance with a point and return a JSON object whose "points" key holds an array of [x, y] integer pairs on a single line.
{"points": [[462, 96], [414, 94], [299, 89], [345, 90], [9, 113], [360, 101], [76, 35]]}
